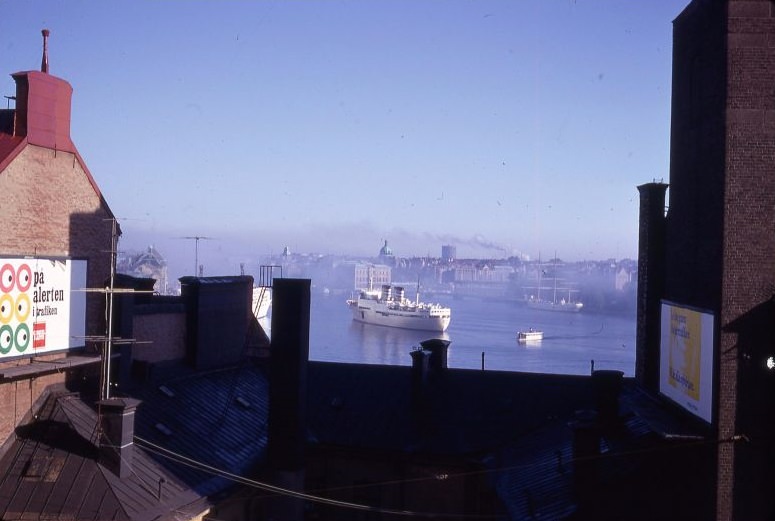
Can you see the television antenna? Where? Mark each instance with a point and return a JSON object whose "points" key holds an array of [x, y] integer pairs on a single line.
{"points": [[196, 239]]}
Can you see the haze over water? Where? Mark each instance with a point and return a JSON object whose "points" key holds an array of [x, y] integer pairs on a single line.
{"points": [[571, 340]]}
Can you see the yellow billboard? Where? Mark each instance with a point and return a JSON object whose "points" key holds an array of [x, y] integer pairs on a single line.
{"points": [[686, 358]]}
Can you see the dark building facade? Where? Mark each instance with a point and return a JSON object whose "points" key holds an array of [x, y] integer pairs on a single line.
{"points": [[713, 250]]}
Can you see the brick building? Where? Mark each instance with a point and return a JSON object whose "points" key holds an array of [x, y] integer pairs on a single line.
{"points": [[52, 211], [67, 449], [711, 257]]}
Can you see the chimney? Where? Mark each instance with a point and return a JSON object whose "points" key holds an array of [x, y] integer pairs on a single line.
{"points": [[438, 350], [43, 104], [586, 454], [117, 425], [289, 354], [419, 373], [651, 281], [607, 386], [44, 61]]}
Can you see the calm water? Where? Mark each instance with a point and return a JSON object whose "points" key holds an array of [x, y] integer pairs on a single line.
{"points": [[570, 341]]}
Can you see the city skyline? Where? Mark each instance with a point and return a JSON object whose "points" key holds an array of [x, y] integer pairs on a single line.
{"points": [[502, 128]]}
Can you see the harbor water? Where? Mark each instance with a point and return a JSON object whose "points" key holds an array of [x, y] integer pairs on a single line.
{"points": [[482, 333]]}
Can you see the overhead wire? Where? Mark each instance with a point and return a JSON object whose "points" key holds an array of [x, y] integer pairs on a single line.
{"points": [[182, 459], [179, 458]]}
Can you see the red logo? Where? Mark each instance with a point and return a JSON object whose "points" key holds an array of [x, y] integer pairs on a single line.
{"points": [[38, 335]]}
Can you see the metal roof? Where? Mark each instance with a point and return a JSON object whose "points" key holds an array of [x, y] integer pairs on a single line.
{"points": [[50, 470]]}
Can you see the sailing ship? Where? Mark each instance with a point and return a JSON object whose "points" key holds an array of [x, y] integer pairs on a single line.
{"points": [[558, 300], [389, 306]]}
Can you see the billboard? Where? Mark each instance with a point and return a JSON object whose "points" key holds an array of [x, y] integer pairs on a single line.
{"points": [[42, 305], [686, 358]]}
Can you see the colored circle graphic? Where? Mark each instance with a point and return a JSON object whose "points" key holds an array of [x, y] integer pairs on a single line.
{"points": [[6, 339], [24, 277], [7, 278], [22, 337], [6, 308], [22, 307]]}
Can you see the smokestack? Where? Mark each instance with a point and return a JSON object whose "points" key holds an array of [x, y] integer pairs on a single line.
{"points": [[116, 442], [44, 61]]}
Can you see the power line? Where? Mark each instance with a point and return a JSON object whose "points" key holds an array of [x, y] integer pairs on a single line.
{"points": [[179, 458]]}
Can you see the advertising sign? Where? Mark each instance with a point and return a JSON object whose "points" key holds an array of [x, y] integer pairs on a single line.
{"points": [[42, 305], [686, 358]]}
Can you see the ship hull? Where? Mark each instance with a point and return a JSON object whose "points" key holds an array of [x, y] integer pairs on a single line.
{"points": [[547, 305], [524, 337], [380, 315]]}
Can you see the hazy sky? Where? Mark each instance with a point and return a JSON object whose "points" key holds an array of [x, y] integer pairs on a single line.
{"points": [[329, 126]]}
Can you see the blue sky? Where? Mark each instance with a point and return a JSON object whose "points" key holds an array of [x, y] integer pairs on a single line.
{"points": [[501, 127]]}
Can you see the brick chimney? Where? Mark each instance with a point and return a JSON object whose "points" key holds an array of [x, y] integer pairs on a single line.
{"points": [[117, 425], [651, 283], [43, 105]]}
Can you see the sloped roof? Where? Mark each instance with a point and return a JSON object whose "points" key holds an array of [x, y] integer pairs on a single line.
{"points": [[463, 411], [51, 470], [46, 122], [217, 418], [520, 427], [10, 146]]}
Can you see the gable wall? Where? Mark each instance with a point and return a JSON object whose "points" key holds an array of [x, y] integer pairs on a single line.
{"points": [[49, 208]]}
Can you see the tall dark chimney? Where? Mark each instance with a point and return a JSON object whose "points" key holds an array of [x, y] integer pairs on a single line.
{"points": [[44, 61], [288, 372], [116, 443], [289, 353], [651, 282]]}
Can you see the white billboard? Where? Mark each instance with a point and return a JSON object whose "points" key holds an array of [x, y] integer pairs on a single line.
{"points": [[686, 358], [42, 305]]}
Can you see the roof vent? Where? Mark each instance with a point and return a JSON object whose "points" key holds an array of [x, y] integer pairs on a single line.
{"points": [[44, 61]]}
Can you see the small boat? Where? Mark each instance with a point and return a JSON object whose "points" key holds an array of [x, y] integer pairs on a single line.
{"points": [[531, 335]]}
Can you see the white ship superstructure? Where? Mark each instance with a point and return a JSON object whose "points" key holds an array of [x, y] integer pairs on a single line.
{"points": [[388, 306]]}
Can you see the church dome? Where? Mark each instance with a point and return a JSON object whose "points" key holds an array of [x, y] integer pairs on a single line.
{"points": [[385, 251]]}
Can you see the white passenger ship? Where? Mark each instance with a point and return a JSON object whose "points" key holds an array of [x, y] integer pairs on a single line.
{"points": [[389, 307]]}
